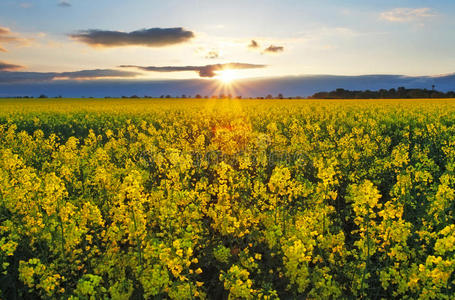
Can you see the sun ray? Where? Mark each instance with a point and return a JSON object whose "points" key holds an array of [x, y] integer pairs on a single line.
{"points": [[226, 84]]}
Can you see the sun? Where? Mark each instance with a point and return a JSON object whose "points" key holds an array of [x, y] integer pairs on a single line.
{"points": [[226, 76]]}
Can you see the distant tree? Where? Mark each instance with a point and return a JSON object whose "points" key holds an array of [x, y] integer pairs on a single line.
{"points": [[197, 96], [183, 96], [280, 96], [268, 96], [168, 96], [134, 97], [222, 96], [229, 96], [401, 92], [382, 93], [392, 93], [239, 97], [42, 96]]}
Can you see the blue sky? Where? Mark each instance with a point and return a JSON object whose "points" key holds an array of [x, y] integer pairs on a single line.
{"points": [[314, 36]]}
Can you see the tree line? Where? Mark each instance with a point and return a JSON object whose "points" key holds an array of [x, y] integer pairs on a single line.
{"points": [[399, 93]]}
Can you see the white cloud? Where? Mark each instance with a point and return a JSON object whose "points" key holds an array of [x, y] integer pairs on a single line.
{"points": [[9, 37], [26, 5], [403, 15]]}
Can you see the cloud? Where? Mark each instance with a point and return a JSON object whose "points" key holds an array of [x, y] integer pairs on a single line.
{"points": [[253, 44], [287, 85], [204, 71], [270, 49], [9, 67], [152, 37], [273, 49], [64, 3], [26, 5], [212, 54], [403, 15], [15, 77], [8, 37], [98, 73]]}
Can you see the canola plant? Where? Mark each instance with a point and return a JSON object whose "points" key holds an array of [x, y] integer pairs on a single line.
{"points": [[227, 199]]}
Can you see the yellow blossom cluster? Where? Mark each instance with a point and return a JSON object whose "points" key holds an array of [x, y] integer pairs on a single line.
{"points": [[227, 199]]}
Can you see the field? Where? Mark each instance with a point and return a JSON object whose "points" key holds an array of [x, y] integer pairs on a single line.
{"points": [[217, 199]]}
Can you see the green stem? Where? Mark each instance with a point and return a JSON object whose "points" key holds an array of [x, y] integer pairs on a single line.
{"points": [[62, 240], [367, 259], [139, 244]]}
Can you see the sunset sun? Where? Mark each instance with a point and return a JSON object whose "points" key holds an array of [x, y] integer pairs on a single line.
{"points": [[227, 76]]}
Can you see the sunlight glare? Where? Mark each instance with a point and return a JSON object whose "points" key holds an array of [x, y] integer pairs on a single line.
{"points": [[226, 76]]}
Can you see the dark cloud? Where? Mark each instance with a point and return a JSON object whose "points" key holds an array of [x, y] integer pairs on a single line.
{"points": [[253, 44], [212, 54], [287, 85], [6, 36], [152, 37], [98, 73], [204, 71], [14, 77], [9, 67], [64, 3], [274, 49]]}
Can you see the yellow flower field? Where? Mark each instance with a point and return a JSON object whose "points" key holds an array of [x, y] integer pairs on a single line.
{"points": [[227, 199]]}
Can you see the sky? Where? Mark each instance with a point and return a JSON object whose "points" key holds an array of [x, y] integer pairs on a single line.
{"points": [[50, 41]]}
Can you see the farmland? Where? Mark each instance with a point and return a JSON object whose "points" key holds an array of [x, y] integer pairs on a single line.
{"points": [[217, 199]]}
